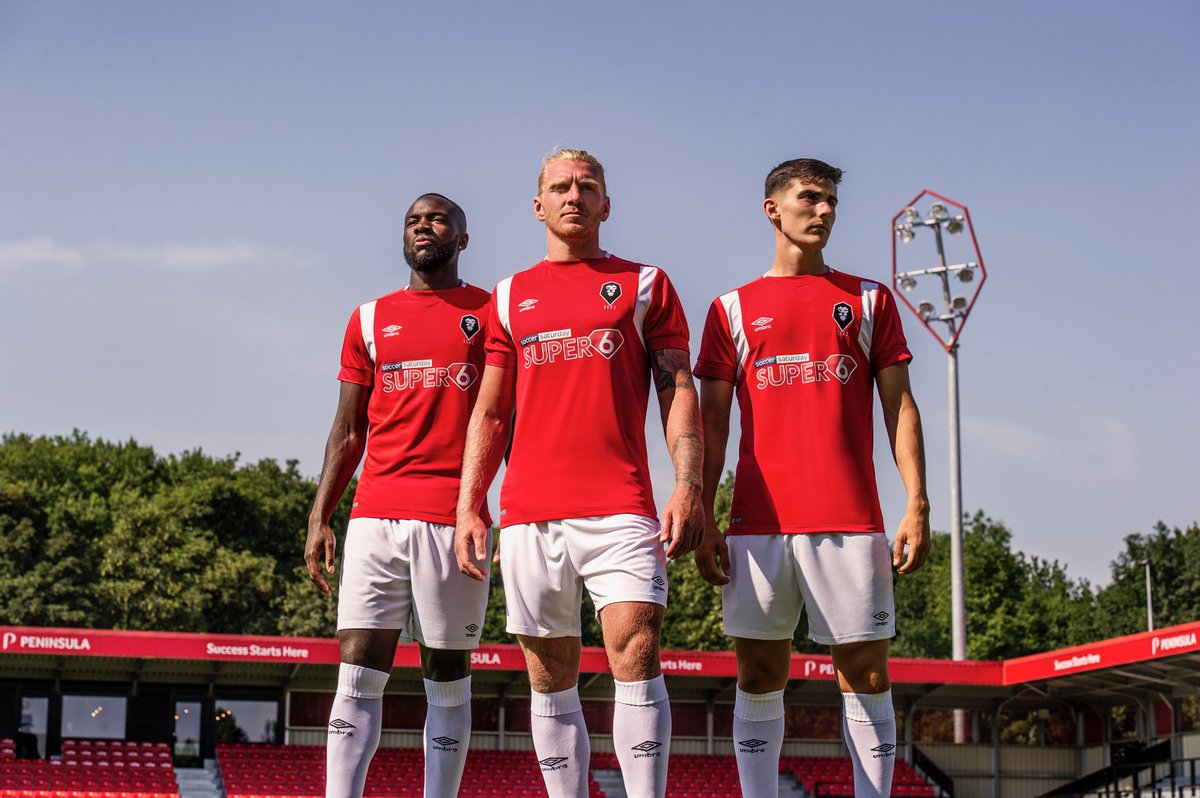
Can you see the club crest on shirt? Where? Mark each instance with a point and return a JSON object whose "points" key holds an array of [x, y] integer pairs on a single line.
{"points": [[469, 325], [610, 292], [843, 314]]}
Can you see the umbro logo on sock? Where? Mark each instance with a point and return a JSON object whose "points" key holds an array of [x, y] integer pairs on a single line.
{"points": [[553, 762], [340, 727], [884, 750], [444, 743], [647, 748], [752, 746]]}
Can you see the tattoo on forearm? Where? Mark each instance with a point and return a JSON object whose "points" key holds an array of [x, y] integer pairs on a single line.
{"points": [[687, 452], [671, 370]]}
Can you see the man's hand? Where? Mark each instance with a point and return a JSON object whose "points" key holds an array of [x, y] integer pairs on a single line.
{"points": [[682, 521], [470, 545], [712, 556], [913, 533], [320, 541]]}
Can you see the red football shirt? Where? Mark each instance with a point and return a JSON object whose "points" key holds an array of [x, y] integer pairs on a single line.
{"points": [[577, 334], [802, 352], [421, 354]]}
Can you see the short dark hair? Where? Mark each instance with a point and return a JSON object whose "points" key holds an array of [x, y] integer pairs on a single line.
{"points": [[810, 170], [460, 216]]}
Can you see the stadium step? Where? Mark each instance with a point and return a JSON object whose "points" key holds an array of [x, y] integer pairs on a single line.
{"points": [[202, 782]]}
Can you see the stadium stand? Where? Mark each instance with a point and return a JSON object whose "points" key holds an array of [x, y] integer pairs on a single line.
{"points": [[298, 771], [821, 776], [91, 769]]}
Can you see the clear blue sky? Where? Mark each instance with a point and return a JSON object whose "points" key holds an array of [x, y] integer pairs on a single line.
{"points": [[193, 198]]}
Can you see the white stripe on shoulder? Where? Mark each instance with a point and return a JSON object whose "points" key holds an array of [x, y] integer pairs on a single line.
{"points": [[732, 303], [366, 321], [645, 288], [866, 327], [503, 290]]}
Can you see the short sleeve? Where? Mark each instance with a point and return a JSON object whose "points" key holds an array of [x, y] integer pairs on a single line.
{"points": [[717, 359], [889, 346], [498, 346], [665, 325], [357, 366]]}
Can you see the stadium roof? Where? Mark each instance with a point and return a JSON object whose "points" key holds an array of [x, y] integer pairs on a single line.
{"points": [[1148, 666]]}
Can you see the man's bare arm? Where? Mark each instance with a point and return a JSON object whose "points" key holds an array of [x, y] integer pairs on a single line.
{"points": [[343, 452], [903, 422], [712, 555], [487, 438], [683, 517]]}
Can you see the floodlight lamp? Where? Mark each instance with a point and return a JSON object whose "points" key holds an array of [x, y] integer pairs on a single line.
{"points": [[926, 311], [908, 283], [937, 211], [958, 304], [911, 215], [966, 274], [954, 226], [905, 233]]}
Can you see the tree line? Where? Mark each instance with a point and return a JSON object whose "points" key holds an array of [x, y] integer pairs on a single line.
{"points": [[98, 534]]}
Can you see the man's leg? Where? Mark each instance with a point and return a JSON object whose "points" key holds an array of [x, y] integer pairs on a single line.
{"points": [[642, 714], [556, 715], [356, 720], [447, 735], [758, 712], [869, 720]]}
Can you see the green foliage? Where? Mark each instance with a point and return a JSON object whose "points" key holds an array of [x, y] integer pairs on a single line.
{"points": [[1174, 556]]}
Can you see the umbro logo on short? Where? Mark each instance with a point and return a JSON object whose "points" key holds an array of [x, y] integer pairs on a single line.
{"points": [[658, 584], [880, 616], [472, 629]]}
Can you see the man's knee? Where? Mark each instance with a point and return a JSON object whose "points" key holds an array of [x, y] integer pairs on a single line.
{"points": [[369, 648], [763, 665], [631, 638], [862, 667], [553, 662], [445, 665]]}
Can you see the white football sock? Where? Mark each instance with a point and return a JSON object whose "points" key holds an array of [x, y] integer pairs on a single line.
{"points": [[869, 723], [757, 741], [561, 742], [354, 726], [642, 736], [447, 736]]}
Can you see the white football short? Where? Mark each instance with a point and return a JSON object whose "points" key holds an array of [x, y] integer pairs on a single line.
{"points": [[844, 579], [547, 565], [403, 575]]}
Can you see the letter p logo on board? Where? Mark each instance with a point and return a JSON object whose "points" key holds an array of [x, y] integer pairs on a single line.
{"points": [[10, 638]]}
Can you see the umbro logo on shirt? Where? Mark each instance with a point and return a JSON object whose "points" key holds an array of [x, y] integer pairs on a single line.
{"points": [[762, 323], [391, 329], [527, 305]]}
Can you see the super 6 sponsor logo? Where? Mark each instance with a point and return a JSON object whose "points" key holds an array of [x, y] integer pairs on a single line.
{"points": [[412, 374], [783, 370], [542, 348]]}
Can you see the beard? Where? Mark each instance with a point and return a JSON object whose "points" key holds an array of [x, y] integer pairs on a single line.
{"points": [[430, 259]]}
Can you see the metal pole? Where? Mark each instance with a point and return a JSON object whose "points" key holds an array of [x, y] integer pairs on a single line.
{"points": [[1149, 600]]}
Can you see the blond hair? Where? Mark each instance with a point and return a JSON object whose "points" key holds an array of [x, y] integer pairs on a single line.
{"points": [[566, 154]]}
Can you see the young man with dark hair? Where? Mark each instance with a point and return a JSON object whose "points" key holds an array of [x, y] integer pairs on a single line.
{"points": [[803, 347], [572, 345], [411, 362]]}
